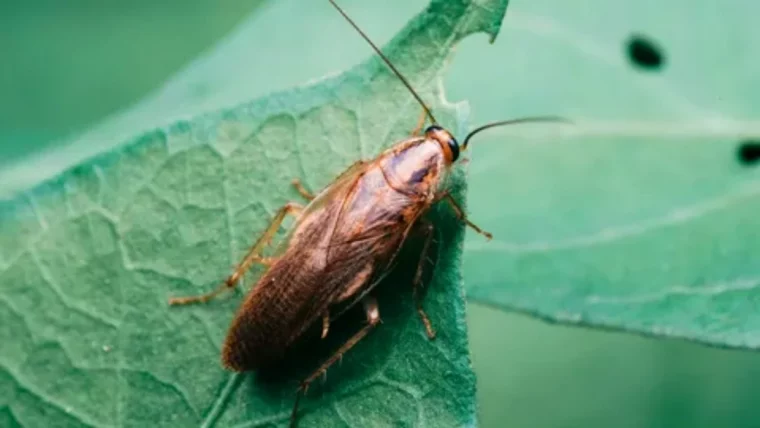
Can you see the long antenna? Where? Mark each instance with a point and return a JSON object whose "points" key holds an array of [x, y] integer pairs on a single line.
{"points": [[513, 122], [388, 62]]}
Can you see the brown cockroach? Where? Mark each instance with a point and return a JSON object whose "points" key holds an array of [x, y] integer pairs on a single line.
{"points": [[342, 243]]}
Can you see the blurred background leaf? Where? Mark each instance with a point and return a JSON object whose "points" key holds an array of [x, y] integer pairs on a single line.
{"points": [[553, 58], [641, 216]]}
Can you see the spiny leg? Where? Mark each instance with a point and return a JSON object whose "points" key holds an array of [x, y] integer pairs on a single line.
{"points": [[302, 190], [446, 196], [253, 256], [325, 324], [417, 285], [373, 318], [420, 124]]}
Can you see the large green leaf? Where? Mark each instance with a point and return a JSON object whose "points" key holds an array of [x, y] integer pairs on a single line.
{"points": [[640, 216], [88, 260]]}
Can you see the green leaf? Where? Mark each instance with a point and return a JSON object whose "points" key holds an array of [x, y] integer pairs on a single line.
{"points": [[88, 260], [639, 216]]}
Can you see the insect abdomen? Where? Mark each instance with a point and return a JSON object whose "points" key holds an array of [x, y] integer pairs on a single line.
{"points": [[296, 291], [262, 329]]}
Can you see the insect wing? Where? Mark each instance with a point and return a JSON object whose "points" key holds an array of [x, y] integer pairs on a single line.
{"points": [[335, 251], [366, 236]]}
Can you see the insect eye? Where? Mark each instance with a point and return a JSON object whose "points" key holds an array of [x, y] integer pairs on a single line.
{"points": [[443, 137], [454, 146]]}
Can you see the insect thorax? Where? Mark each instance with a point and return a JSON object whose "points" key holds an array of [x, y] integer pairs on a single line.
{"points": [[417, 167]]}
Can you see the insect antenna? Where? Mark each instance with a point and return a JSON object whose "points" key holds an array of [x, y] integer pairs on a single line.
{"points": [[513, 122], [387, 61]]}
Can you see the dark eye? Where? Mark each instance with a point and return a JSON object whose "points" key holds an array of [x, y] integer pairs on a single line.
{"points": [[454, 146], [437, 132]]}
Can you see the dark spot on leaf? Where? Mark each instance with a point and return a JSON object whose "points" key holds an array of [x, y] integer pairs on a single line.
{"points": [[644, 53], [749, 152]]}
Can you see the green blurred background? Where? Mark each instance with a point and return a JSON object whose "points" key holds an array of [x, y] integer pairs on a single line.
{"points": [[66, 67]]}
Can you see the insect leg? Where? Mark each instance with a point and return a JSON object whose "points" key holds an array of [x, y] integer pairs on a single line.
{"points": [[420, 124], [253, 256], [373, 318], [325, 324], [418, 286], [460, 213], [302, 190]]}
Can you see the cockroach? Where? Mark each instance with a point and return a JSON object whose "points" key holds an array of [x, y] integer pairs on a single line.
{"points": [[342, 243]]}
